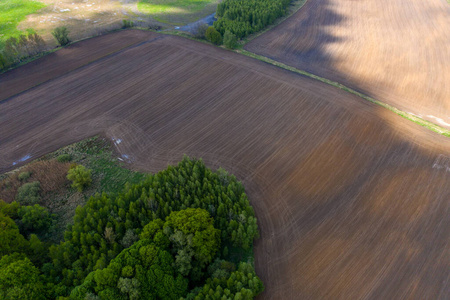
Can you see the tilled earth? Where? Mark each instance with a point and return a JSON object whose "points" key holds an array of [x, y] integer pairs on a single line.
{"points": [[397, 51], [352, 200]]}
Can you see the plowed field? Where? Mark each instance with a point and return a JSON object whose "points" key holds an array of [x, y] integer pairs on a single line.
{"points": [[352, 200], [397, 51]]}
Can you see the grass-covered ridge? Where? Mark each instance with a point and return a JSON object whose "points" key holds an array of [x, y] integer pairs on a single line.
{"points": [[12, 12], [187, 231]]}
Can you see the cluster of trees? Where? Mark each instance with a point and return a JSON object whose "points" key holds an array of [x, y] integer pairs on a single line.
{"points": [[244, 17], [168, 237], [17, 49]]}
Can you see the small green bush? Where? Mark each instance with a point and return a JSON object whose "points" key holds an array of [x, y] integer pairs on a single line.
{"points": [[61, 34], [229, 40], [80, 177], [28, 194], [24, 176], [127, 24], [64, 158], [213, 36]]}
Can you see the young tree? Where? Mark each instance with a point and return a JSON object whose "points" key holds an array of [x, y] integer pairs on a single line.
{"points": [[229, 40], [80, 177], [61, 34], [29, 193], [213, 36]]}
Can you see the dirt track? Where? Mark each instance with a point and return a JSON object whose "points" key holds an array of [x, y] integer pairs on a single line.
{"points": [[352, 200], [397, 51]]}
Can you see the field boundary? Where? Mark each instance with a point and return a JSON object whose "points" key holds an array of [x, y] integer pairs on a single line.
{"points": [[411, 117]]}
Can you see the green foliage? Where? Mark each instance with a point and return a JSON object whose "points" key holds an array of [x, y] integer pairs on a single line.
{"points": [[61, 35], [10, 238], [213, 36], [64, 158], [240, 284], [19, 278], [80, 177], [10, 210], [188, 185], [34, 219], [244, 17], [143, 271], [127, 24], [229, 40], [28, 194], [23, 176], [159, 239]]}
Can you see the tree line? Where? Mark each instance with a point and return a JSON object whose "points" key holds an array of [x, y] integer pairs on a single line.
{"points": [[244, 17]]}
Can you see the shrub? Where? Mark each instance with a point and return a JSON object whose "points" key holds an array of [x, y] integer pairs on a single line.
{"points": [[80, 177], [64, 158], [24, 176], [213, 36], [61, 34], [200, 30], [127, 24], [34, 218], [28, 194], [229, 40]]}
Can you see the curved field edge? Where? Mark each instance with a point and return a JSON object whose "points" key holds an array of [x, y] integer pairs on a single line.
{"points": [[411, 117]]}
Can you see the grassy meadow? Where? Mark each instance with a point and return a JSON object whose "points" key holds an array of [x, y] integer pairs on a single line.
{"points": [[12, 12]]}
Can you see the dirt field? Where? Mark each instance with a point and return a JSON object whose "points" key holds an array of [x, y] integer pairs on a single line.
{"points": [[397, 51], [352, 200]]}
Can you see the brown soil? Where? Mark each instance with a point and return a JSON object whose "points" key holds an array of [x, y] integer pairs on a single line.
{"points": [[397, 51], [352, 200]]}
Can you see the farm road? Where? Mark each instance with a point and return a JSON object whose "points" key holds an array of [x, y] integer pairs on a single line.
{"points": [[352, 200]]}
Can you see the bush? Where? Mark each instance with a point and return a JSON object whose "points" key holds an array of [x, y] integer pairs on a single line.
{"points": [[28, 194], [24, 176], [229, 40], [61, 34], [80, 177], [200, 30], [64, 158], [213, 36], [127, 24], [34, 218]]}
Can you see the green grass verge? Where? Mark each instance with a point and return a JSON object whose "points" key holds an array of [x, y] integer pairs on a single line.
{"points": [[411, 117], [108, 172], [12, 12], [177, 12]]}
